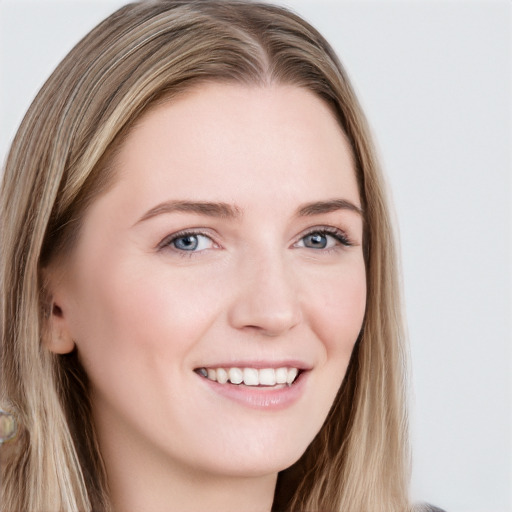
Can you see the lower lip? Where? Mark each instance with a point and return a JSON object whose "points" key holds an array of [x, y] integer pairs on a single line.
{"points": [[262, 398]]}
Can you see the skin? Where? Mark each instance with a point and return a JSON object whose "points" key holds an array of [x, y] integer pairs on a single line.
{"points": [[144, 313]]}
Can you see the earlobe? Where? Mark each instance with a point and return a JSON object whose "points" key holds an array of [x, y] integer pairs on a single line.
{"points": [[58, 339], [56, 336]]}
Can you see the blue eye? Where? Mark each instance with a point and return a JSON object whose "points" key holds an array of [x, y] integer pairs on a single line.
{"points": [[190, 242], [323, 239], [316, 241], [186, 243]]}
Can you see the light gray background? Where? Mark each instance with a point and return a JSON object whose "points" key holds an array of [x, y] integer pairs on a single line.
{"points": [[435, 80]]}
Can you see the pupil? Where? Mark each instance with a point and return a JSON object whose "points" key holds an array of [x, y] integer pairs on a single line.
{"points": [[187, 243], [317, 241]]}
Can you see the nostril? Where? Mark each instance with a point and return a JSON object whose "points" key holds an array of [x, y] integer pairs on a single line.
{"points": [[266, 301]]}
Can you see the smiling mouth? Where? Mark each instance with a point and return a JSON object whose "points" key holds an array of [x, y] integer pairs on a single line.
{"points": [[267, 377]]}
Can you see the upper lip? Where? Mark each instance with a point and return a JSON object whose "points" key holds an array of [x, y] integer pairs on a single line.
{"points": [[259, 364]]}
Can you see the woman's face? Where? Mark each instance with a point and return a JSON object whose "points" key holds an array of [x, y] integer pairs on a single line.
{"points": [[230, 247]]}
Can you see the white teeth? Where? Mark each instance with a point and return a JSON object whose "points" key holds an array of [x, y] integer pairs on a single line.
{"points": [[292, 374], [267, 377], [251, 376], [222, 376], [281, 375], [236, 376]]}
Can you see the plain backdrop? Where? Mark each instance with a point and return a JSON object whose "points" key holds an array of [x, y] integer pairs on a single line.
{"points": [[434, 78]]}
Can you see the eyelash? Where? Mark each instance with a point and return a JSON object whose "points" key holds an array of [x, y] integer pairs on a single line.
{"points": [[339, 235], [167, 242]]}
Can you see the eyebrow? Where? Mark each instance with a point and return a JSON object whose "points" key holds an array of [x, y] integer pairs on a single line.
{"points": [[206, 208], [227, 211], [319, 207]]}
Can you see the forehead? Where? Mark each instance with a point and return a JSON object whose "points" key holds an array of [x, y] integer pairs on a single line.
{"points": [[225, 139]]}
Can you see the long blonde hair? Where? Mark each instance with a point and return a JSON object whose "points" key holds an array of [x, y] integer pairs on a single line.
{"points": [[59, 162]]}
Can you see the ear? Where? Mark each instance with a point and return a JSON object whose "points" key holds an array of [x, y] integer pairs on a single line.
{"points": [[57, 336], [58, 339]]}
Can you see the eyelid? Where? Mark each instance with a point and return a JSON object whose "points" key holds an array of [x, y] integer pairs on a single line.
{"points": [[166, 242], [339, 234]]}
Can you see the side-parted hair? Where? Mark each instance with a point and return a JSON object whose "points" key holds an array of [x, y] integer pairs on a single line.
{"points": [[60, 162]]}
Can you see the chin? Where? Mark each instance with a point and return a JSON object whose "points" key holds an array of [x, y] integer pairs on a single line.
{"points": [[257, 457]]}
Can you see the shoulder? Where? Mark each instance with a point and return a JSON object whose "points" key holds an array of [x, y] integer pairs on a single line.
{"points": [[425, 507]]}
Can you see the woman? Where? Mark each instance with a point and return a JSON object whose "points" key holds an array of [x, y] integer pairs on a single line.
{"points": [[199, 291]]}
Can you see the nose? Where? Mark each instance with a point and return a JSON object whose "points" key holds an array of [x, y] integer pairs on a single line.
{"points": [[266, 299]]}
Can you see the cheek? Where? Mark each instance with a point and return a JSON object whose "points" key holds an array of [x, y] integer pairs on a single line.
{"points": [[173, 306], [130, 309], [338, 309]]}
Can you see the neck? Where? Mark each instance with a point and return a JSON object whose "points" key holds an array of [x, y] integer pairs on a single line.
{"points": [[141, 478], [182, 495]]}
